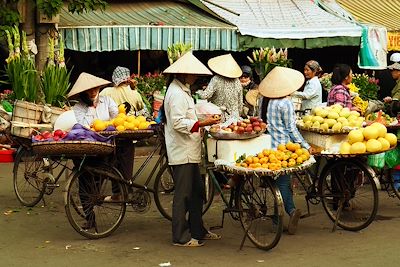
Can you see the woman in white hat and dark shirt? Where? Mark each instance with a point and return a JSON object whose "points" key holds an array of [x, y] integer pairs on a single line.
{"points": [[277, 86], [183, 142]]}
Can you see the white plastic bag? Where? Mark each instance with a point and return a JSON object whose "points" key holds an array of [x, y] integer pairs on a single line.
{"points": [[206, 109]]}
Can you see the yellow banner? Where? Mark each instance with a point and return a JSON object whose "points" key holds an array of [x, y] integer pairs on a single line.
{"points": [[394, 41]]}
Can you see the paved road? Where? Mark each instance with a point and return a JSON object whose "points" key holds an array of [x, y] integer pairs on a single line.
{"points": [[41, 236]]}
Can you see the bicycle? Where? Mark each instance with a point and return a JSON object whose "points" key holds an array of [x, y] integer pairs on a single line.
{"points": [[255, 201], [386, 181], [34, 175], [347, 189], [104, 180]]}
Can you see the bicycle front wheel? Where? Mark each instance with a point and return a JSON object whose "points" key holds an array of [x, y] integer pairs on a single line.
{"points": [[349, 194], [88, 210], [29, 177], [260, 211], [164, 191]]}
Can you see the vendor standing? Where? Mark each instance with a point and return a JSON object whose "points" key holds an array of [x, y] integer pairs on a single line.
{"points": [[312, 93], [224, 88], [250, 91], [183, 142], [91, 106], [277, 86]]}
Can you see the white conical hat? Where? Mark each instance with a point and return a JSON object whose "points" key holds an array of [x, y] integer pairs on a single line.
{"points": [[188, 64], [226, 66], [85, 82], [252, 97], [280, 82]]}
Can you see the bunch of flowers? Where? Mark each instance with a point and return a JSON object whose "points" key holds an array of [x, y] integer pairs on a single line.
{"points": [[20, 69], [368, 86], [149, 84], [325, 81], [265, 59]]}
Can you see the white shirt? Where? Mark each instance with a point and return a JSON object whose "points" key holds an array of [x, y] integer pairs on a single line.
{"points": [[105, 110], [183, 146], [311, 95]]}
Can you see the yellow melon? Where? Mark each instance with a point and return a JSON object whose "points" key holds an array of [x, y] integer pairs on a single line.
{"points": [[370, 132], [381, 128], [373, 146], [391, 138], [355, 136], [358, 148]]}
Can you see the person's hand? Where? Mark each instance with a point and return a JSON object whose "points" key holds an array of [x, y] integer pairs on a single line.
{"points": [[387, 99], [209, 121], [356, 109], [312, 150]]}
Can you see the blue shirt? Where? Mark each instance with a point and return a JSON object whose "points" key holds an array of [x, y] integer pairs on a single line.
{"points": [[282, 123]]}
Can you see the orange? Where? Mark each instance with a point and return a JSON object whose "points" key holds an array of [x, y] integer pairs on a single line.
{"points": [[304, 157], [285, 157], [257, 165], [266, 152], [294, 156], [256, 160], [296, 146], [249, 160], [243, 164], [265, 165], [99, 125], [118, 121], [130, 118], [251, 166], [284, 164], [290, 146], [299, 151], [120, 128], [263, 160], [238, 164], [260, 155], [299, 160], [281, 147], [141, 118]]}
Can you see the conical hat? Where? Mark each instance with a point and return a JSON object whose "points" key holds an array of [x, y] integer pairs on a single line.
{"points": [[280, 82], [226, 66], [188, 64], [252, 97], [85, 82]]}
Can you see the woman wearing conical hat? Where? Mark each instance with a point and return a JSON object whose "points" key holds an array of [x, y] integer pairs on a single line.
{"points": [[183, 142], [225, 88], [277, 86]]}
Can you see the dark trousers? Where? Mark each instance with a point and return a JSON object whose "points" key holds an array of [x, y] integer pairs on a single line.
{"points": [[125, 153], [188, 198]]}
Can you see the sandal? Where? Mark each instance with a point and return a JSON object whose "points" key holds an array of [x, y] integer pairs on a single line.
{"points": [[191, 243], [211, 236]]}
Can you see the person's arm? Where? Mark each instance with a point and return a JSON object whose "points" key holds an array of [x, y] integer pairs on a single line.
{"points": [[311, 90], [209, 91], [290, 124], [112, 108]]}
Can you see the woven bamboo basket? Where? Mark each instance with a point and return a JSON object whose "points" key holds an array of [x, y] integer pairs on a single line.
{"points": [[73, 148], [235, 136], [130, 134], [230, 167], [25, 115]]}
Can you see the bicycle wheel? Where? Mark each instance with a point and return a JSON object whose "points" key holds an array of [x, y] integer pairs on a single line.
{"points": [[164, 191], [29, 177], [395, 188], [87, 211], [349, 194], [260, 211]]}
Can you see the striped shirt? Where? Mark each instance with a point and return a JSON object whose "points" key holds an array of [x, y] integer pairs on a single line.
{"points": [[282, 123]]}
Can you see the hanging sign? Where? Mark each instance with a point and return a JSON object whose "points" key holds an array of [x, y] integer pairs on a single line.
{"points": [[373, 48], [394, 41]]}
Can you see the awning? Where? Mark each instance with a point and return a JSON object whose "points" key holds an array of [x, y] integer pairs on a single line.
{"points": [[381, 12], [287, 23], [146, 25]]}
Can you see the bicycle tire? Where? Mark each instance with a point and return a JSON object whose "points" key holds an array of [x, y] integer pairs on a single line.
{"points": [[260, 211], [29, 181], [163, 197], [356, 196], [391, 181], [105, 216]]}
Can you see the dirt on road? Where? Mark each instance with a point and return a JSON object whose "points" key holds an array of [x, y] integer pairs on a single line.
{"points": [[42, 236]]}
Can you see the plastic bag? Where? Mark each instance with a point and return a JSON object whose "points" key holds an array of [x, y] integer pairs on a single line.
{"points": [[206, 109], [377, 160], [392, 158]]}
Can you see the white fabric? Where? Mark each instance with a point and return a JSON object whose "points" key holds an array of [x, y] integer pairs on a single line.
{"points": [[183, 146], [311, 95]]}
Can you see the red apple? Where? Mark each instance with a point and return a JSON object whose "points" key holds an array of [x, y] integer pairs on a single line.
{"points": [[38, 137], [263, 125], [58, 132], [257, 129], [46, 135], [256, 123], [56, 138], [240, 130], [260, 120], [243, 124], [231, 127], [249, 129], [253, 119]]}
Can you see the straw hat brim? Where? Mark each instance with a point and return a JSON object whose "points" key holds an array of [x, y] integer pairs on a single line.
{"points": [[252, 97], [394, 66], [188, 64], [281, 82], [226, 66], [85, 82]]}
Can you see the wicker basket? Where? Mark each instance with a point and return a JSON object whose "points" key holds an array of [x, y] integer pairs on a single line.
{"points": [[73, 148], [235, 136], [129, 134], [232, 168], [25, 114]]}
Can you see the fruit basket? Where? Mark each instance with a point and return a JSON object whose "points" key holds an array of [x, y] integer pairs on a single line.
{"points": [[224, 165], [235, 136], [129, 134], [73, 148], [336, 155], [326, 132]]}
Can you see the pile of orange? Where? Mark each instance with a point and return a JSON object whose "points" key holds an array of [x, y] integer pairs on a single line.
{"points": [[284, 156]]}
